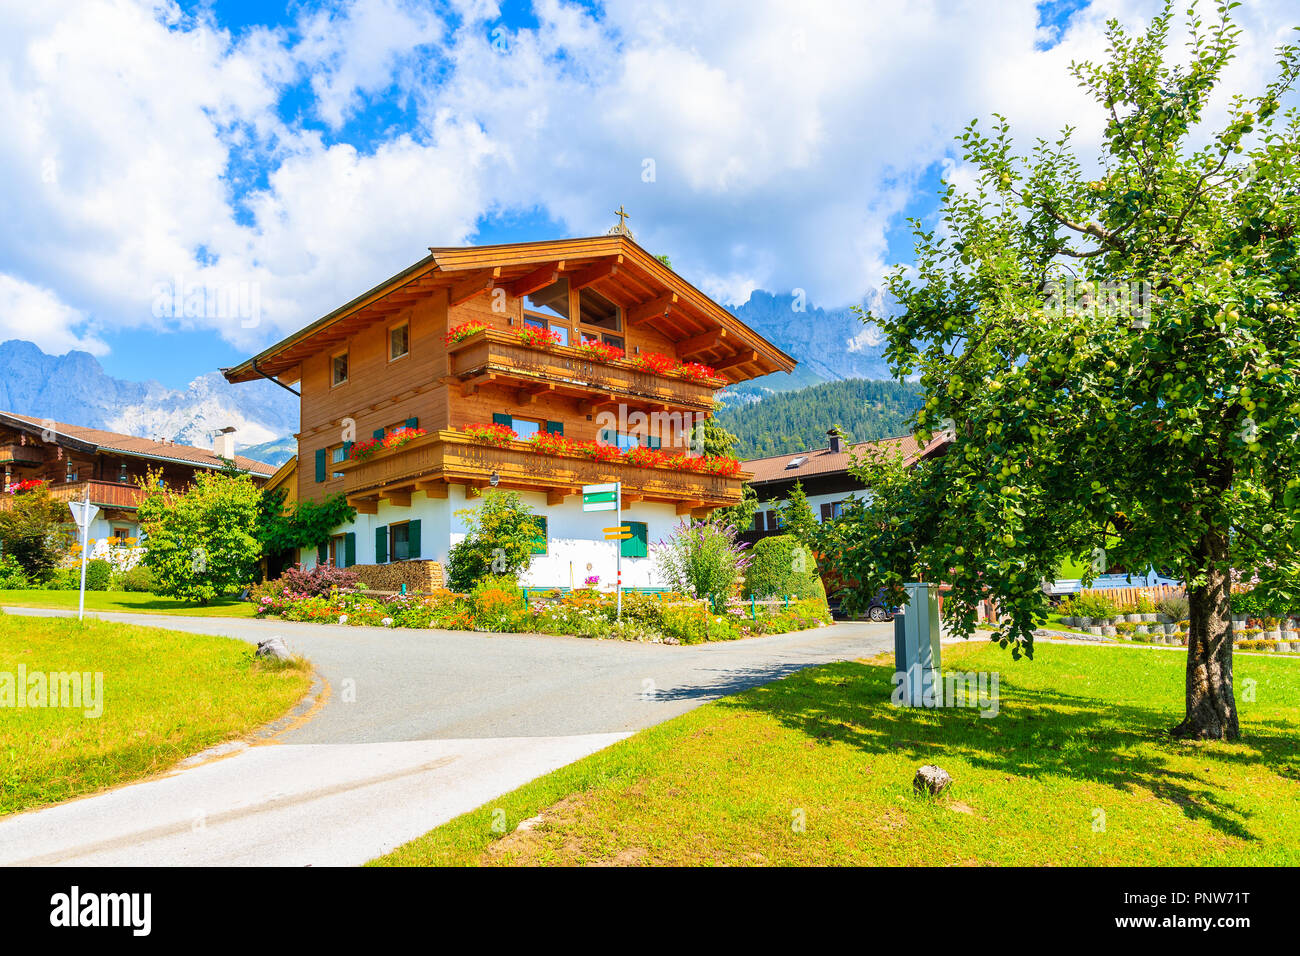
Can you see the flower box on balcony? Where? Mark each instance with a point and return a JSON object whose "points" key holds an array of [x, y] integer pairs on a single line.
{"points": [[596, 353]]}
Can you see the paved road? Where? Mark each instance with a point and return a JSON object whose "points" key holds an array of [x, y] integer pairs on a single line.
{"points": [[417, 727]]}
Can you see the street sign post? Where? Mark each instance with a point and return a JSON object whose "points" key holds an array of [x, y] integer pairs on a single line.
{"points": [[83, 513], [609, 497]]}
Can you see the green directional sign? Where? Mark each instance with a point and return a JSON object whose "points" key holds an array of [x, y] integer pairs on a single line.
{"points": [[600, 497]]}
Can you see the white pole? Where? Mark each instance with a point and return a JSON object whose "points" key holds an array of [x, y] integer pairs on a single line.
{"points": [[85, 540], [618, 523]]}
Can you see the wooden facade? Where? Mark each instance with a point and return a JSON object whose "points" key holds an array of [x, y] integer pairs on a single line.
{"points": [[383, 362], [73, 460]]}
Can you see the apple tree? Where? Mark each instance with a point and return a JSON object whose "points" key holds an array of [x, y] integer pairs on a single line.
{"points": [[1115, 347]]}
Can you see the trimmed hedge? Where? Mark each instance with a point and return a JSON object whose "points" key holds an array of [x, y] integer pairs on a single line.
{"points": [[781, 567]]}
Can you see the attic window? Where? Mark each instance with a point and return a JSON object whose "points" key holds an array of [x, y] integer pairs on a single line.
{"points": [[796, 462], [597, 311]]}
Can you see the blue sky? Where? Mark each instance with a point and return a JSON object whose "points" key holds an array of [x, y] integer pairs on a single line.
{"points": [[299, 154]]}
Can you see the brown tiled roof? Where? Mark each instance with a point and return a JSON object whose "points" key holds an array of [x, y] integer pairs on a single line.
{"points": [[823, 461], [144, 447]]}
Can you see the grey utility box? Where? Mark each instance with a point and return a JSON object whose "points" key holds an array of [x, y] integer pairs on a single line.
{"points": [[916, 648]]}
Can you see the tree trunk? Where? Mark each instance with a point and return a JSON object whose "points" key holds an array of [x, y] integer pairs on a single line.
{"points": [[1211, 709]]}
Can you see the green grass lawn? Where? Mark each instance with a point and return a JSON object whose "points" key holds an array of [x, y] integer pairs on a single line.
{"points": [[166, 695], [131, 601], [1074, 770]]}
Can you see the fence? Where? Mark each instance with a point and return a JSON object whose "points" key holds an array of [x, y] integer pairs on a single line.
{"points": [[1123, 596]]}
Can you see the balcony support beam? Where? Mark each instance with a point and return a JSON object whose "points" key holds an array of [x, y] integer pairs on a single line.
{"points": [[399, 497], [436, 488], [686, 507], [556, 496], [528, 394], [365, 506]]}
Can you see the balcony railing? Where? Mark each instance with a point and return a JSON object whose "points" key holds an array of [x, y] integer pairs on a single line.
{"points": [[500, 353], [106, 494], [452, 456]]}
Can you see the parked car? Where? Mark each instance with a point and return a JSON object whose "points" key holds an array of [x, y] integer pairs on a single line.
{"points": [[879, 610]]}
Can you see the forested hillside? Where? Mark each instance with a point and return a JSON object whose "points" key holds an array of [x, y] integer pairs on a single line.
{"points": [[798, 420]]}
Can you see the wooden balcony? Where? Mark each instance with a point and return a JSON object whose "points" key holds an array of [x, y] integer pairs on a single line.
{"points": [[497, 357], [435, 461], [106, 494], [25, 455]]}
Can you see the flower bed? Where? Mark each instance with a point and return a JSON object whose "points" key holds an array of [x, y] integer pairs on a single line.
{"points": [[31, 484], [498, 605], [638, 456]]}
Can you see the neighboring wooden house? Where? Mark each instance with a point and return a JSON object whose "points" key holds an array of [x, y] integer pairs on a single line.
{"points": [[286, 477], [400, 358], [823, 473], [73, 459]]}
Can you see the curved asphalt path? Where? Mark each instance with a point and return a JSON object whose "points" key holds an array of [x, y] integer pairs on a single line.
{"points": [[415, 727]]}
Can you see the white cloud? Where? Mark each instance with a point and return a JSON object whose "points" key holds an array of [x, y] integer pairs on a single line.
{"points": [[143, 144], [37, 315]]}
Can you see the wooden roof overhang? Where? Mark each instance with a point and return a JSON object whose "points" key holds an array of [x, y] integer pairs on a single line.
{"points": [[614, 265]]}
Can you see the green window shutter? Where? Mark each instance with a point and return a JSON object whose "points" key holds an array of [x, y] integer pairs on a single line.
{"points": [[381, 544], [539, 543], [347, 449], [500, 419], [413, 538], [635, 546], [379, 433], [555, 428], [322, 553], [320, 464], [349, 549], [654, 441], [412, 423]]}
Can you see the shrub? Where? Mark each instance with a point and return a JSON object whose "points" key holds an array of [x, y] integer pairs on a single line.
{"points": [[499, 539], [1251, 603], [36, 531], [203, 541], [1145, 605], [12, 576], [1174, 607], [702, 560], [319, 581], [99, 575], [63, 579], [138, 579], [780, 566], [1096, 606]]}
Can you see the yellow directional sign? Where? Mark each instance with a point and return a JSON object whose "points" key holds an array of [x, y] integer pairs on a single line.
{"points": [[621, 529], [617, 537]]}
